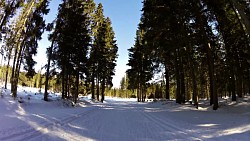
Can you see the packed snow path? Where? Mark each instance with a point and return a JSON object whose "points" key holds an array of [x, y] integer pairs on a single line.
{"points": [[122, 121], [116, 121]]}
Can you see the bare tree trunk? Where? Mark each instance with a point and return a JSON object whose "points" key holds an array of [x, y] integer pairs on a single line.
{"points": [[239, 85], [247, 83], [63, 86], [182, 79], [167, 82], [7, 71], [77, 85], [17, 68], [47, 72], [193, 77], [97, 88], [139, 94], [13, 71], [67, 86], [232, 83], [103, 89], [213, 91], [178, 82], [194, 83], [202, 82], [93, 84]]}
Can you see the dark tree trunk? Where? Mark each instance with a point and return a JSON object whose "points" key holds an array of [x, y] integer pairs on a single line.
{"points": [[239, 86], [213, 91], [13, 70], [232, 83], [19, 67], [16, 71], [47, 72], [182, 79], [178, 82], [7, 71], [167, 82], [97, 88], [138, 94], [63, 85], [202, 82], [102, 89], [194, 83], [248, 87], [195, 94], [248, 81], [244, 88], [93, 84], [76, 93], [67, 87], [143, 94], [239, 76]]}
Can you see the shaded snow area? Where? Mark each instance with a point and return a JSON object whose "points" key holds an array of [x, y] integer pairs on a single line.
{"points": [[32, 119]]}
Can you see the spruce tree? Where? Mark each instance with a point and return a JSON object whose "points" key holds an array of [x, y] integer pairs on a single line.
{"points": [[72, 39], [103, 54], [95, 51]]}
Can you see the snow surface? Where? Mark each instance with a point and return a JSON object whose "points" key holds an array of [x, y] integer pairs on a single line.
{"points": [[118, 119]]}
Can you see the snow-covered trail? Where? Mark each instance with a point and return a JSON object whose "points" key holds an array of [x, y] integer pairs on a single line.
{"points": [[119, 121], [123, 121]]}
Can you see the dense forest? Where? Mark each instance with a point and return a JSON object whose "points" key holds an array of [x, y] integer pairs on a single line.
{"points": [[82, 55], [201, 48]]}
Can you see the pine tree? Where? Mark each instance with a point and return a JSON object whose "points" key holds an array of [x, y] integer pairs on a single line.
{"points": [[107, 50], [103, 54], [141, 70], [72, 39], [94, 51]]}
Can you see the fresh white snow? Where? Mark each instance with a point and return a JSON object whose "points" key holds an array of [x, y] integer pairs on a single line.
{"points": [[119, 119]]}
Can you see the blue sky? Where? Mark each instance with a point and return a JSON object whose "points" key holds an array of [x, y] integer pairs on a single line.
{"points": [[125, 16]]}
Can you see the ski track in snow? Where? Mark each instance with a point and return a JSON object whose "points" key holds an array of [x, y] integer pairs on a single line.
{"points": [[169, 129], [28, 132], [122, 120]]}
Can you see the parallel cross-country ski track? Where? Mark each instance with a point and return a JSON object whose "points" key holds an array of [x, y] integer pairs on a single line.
{"points": [[25, 133], [126, 121]]}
